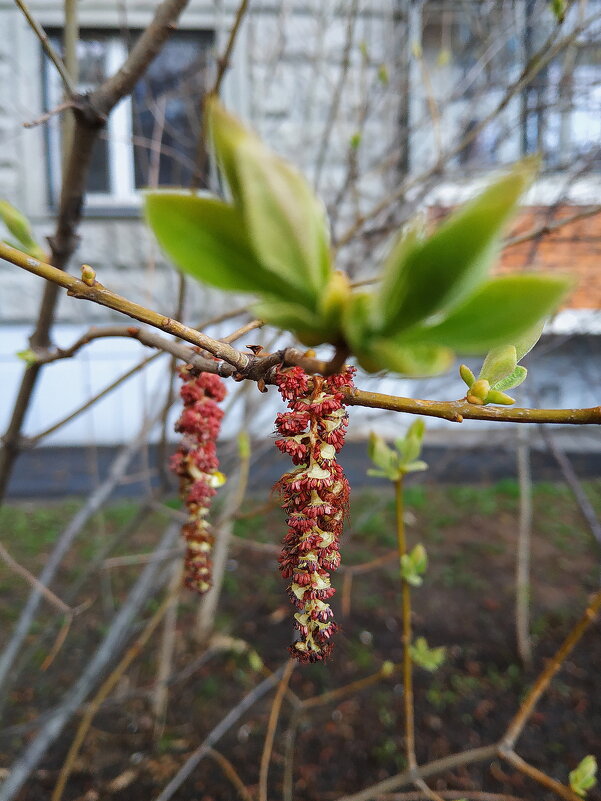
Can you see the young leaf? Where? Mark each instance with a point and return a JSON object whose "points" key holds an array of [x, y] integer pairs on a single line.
{"points": [[415, 467], [410, 445], [333, 303], [383, 457], [419, 558], [18, 225], [498, 312], [409, 573], [292, 317], [513, 380], [205, 237], [416, 359], [528, 340], [422, 278], [499, 362], [428, 658], [285, 221], [583, 777]]}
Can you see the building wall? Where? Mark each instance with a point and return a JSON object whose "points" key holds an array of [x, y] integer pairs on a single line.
{"points": [[290, 64]]}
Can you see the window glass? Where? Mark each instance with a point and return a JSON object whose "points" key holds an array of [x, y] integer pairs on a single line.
{"points": [[166, 112], [92, 59], [470, 55], [151, 137]]}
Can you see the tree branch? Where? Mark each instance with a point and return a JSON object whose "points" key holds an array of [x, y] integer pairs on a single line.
{"points": [[54, 57], [244, 366], [505, 745]]}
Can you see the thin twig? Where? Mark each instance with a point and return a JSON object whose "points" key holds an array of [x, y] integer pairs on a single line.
{"points": [[48, 114], [63, 543], [513, 731], [223, 64], [34, 582], [231, 773], [547, 52], [544, 679], [542, 778], [147, 584], [471, 795], [54, 57], [105, 689], [217, 733], [548, 228], [522, 562], [160, 697], [34, 439], [353, 687], [407, 633], [271, 727], [586, 508]]}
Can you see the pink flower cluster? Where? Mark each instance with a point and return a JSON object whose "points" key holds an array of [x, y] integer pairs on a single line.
{"points": [[315, 497], [196, 463]]}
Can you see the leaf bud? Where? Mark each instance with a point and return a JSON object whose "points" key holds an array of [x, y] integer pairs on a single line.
{"points": [[478, 392], [88, 275], [467, 375]]}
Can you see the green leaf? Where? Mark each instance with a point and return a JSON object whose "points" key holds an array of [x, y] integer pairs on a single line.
{"points": [[513, 380], [415, 467], [423, 277], [428, 658], [499, 362], [292, 317], [498, 312], [583, 777], [333, 303], [356, 327], [378, 451], [419, 558], [410, 445], [383, 457], [528, 340], [416, 360], [205, 238], [285, 221], [408, 572], [18, 225]]}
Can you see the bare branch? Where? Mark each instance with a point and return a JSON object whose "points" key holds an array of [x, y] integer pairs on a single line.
{"points": [[54, 57]]}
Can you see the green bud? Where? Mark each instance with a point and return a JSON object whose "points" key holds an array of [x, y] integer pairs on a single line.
{"points": [[495, 396], [88, 275], [355, 140], [16, 223], [583, 777], [467, 375], [333, 303], [478, 392], [383, 75], [28, 356], [387, 668]]}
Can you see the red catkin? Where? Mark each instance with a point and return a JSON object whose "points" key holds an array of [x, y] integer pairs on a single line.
{"points": [[315, 497], [196, 464]]}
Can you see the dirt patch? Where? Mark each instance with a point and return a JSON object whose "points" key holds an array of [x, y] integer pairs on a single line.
{"points": [[465, 604]]}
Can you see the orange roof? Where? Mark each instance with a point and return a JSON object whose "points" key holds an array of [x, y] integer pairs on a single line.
{"points": [[573, 248]]}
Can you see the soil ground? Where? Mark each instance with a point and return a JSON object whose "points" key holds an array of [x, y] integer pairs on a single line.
{"points": [[356, 739]]}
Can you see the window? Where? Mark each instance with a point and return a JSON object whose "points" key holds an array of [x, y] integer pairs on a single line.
{"points": [[469, 55], [563, 110], [473, 51], [151, 136]]}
